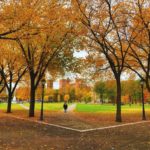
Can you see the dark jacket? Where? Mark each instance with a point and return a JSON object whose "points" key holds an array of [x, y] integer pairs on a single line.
{"points": [[65, 106]]}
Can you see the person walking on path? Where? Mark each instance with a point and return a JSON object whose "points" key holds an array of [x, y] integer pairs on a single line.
{"points": [[65, 107]]}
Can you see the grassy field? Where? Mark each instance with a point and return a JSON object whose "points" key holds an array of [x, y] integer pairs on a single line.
{"points": [[47, 106], [3, 106], [108, 108], [92, 108]]}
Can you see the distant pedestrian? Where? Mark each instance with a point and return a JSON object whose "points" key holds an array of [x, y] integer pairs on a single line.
{"points": [[65, 107]]}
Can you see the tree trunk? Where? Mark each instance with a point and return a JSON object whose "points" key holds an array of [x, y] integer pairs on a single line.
{"points": [[101, 98], [32, 98], [130, 100], [9, 102], [118, 101]]}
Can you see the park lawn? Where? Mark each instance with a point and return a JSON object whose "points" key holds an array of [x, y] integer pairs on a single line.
{"points": [[94, 108], [81, 107], [109, 108], [3, 106], [48, 106]]}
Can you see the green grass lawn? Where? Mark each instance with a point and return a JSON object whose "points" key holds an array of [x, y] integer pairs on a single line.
{"points": [[108, 108], [47, 106], [80, 107], [3, 106]]}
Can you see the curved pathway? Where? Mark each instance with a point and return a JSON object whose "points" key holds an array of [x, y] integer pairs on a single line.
{"points": [[72, 107], [23, 106]]}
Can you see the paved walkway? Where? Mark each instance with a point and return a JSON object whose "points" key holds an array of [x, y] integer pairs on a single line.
{"points": [[23, 106], [72, 107]]}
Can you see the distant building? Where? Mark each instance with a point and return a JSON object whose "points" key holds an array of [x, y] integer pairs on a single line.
{"points": [[79, 83], [64, 83], [50, 84]]}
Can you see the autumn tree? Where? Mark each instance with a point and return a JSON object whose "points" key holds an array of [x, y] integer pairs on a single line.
{"points": [[12, 69], [50, 94], [72, 94], [46, 42], [139, 54], [111, 91], [100, 89], [132, 90], [106, 32], [22, 93]]}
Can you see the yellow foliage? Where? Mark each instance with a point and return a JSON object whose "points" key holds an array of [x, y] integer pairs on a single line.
{"points": [[66, 97]]}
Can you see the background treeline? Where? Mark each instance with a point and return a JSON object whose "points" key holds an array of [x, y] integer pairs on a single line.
{"points": [[102, 92], [131, 92]]}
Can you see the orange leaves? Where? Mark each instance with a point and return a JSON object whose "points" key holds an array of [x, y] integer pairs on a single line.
{"points": [[23, 93], [125, 99], [10, 54], [147, 95], [66, 97], [99, 63]]}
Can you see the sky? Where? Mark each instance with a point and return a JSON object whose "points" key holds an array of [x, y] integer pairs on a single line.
{"points": [[81, 54]]}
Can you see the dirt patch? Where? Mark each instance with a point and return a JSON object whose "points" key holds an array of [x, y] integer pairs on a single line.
{"points": [[22, 135], [81, 120]]}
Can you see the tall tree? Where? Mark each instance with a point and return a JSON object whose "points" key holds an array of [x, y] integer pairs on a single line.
{"points": [[106, 23], [46, 43], [100, 89], [132, 89], [12, 69], [139, 54]]}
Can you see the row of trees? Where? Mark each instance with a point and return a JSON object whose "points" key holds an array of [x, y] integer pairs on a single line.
{"points": [[103, 92], [131, 91], [37, 37], [117, 36], [56, 95]]}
